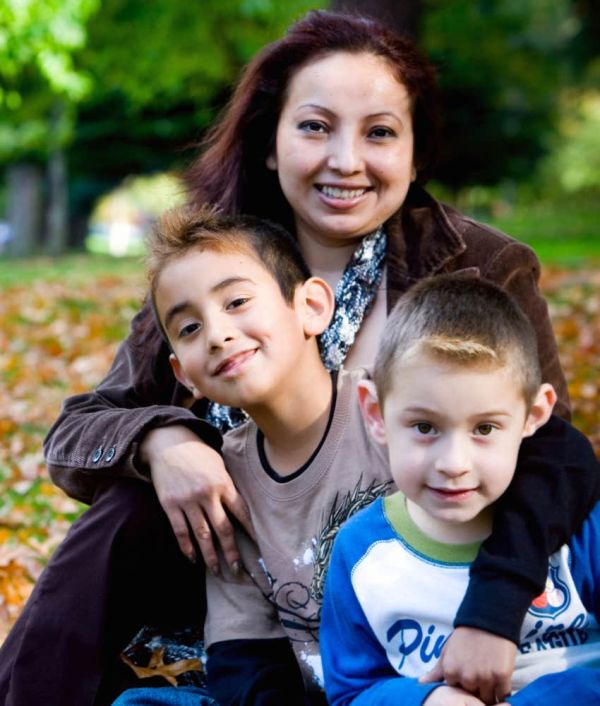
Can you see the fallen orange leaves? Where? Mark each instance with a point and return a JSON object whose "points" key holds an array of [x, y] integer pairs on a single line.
{"points": [[57, 338]]}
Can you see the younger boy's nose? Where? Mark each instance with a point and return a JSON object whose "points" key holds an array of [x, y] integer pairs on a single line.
{"points": [[453, 460]]}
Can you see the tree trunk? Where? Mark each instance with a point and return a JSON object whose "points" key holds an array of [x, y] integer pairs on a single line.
{"points": [[25, 197], [57, 221], [402, 15]]}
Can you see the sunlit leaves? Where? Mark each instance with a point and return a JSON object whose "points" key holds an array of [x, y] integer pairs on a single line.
{"points": [[58, 337]]}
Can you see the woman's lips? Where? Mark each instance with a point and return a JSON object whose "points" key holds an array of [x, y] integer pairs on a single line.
{"points": [[342, 197]]}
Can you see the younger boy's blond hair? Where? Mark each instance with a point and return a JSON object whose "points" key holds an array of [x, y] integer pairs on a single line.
{"points": [[465, 321]]}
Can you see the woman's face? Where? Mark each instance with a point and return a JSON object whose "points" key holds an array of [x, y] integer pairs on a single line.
{"points": [[344, 147]]}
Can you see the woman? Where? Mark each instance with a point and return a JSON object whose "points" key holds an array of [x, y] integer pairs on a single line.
{"points": [[313, 140]]}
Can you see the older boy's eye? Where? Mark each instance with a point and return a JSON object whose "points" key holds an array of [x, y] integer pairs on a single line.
{"points": [[484, 429], [189, 329], [424, 428], [238, 301]]}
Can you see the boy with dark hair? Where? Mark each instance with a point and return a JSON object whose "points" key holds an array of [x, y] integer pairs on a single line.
{"points": [[456, 387], [242, 315]]}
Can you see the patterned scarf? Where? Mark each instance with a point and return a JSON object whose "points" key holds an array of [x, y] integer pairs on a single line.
{"points": [[354, 297]]}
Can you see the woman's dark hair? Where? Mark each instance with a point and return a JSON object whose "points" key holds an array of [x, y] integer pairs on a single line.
{"points": [[231, 172]]}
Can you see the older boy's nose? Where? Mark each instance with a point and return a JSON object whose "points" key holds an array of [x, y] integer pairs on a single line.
{"points": [[218, 333]]}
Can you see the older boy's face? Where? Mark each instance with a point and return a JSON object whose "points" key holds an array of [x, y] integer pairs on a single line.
{"points": [[234, 335], [453, 434]]}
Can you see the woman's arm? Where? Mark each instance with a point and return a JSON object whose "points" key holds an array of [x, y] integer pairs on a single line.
{"points": [[134, 426]]}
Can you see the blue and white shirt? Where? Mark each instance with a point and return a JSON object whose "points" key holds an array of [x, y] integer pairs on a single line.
{"points": [[392, 594]]}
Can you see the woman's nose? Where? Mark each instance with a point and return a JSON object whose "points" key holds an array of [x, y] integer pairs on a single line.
{"points": [[345, 154]]}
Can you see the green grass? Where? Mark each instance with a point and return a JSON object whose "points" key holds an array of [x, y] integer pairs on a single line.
{"points": [[74, 267], [567, 235]]}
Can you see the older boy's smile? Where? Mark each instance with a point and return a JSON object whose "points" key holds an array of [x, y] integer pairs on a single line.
{"points": [[234, 364]]}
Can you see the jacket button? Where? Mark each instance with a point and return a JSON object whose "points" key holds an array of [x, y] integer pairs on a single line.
{"points": [[97, 455], [110, 454]]}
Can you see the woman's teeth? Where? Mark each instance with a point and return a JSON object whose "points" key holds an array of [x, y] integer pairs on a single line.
{"points": [[334, 192]]}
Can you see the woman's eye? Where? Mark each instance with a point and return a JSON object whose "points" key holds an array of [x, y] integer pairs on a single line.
{"points": [[484, 429], [313, 126], [424, 428], [380, 132], [189, 329]]}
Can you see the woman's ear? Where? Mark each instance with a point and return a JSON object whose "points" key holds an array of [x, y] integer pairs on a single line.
{"points": [[317, 302], [271, 161], [179, 373], [371, 410], [540, 410]]}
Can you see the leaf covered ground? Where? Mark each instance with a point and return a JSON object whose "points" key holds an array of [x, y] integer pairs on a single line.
{"points": [[58, 334]]}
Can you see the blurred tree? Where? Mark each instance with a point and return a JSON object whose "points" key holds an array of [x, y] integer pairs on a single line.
{"points": [[501, 73], [162, 71], [39, 84]]}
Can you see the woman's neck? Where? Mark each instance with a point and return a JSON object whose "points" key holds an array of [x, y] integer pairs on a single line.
{"points": [[325, 260]]}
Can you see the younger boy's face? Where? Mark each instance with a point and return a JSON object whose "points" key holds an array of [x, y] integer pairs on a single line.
{"points": [[234, 336], [453, 434]]}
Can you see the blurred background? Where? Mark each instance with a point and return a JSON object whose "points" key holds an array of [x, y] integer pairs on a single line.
{"points": [[102, 103], [97, 93]]}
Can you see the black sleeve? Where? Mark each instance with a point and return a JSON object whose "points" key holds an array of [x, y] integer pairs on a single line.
{"points": [[556, 485], [255, 673]]}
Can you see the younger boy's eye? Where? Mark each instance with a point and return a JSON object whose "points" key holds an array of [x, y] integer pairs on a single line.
{"points": [[424, 427], [484, 429]]}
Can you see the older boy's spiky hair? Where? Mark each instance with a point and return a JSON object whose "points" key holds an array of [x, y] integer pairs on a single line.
{"points": [[184, 228], [460, 320]]}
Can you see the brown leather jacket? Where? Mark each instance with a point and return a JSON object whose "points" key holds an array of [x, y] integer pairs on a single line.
{"points": [[97, 434]]}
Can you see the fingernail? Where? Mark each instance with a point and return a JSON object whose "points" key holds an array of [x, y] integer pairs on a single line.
{"points": [[192, 557], [236, 568], [215, 569]]}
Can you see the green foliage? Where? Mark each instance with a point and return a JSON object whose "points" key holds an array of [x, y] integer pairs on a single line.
{"points": [[500, 73], [37, 72]]}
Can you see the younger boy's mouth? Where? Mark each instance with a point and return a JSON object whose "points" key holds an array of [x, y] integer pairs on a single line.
{"points": [[233, 363]]}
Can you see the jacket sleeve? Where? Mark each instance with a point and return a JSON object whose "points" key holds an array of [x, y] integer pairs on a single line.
{"points": [[254, 672], [97, 434], [516, 269], [556, 485], [355, 666]]}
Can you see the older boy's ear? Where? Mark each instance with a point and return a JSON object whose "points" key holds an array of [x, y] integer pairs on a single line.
{"points": [[371, 410], [318, 303], [541, 409], [182, 377]]}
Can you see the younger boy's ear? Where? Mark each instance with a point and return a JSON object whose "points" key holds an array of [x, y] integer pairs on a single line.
{"points": [[317, 302], [541, 409], [371, 410], [182, 377]]}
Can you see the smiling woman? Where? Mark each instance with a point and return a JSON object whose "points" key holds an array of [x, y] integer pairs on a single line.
{"points": [[331, 133]]}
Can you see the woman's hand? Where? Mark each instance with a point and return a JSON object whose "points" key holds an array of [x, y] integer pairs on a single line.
{"points": [[478, 661], [196, 493]]}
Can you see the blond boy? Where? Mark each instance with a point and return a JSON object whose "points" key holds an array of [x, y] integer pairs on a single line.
{"points": [[456, 387]]}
